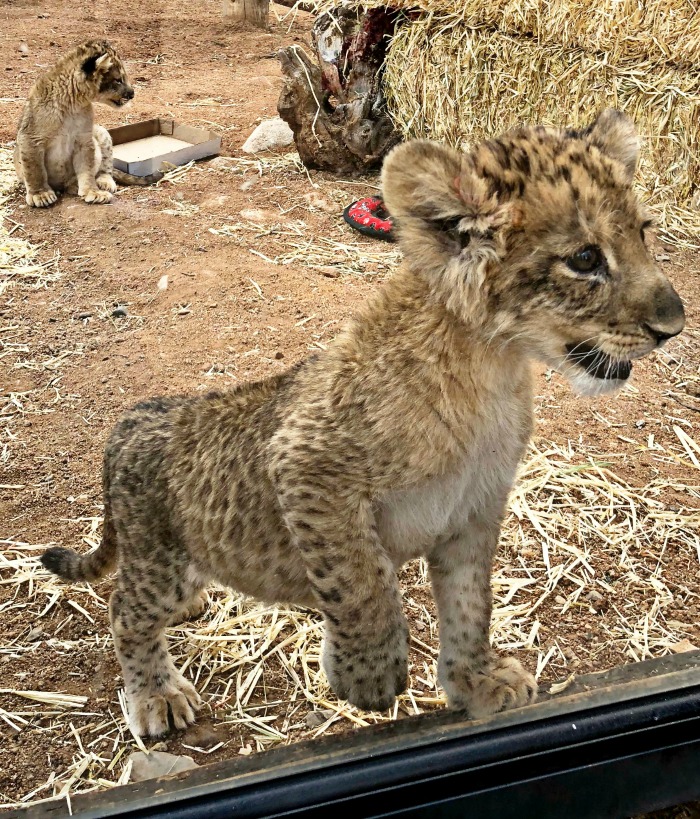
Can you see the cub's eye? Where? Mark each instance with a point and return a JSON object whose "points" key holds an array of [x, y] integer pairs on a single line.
{"points": [[589, 259], [449, 226]]}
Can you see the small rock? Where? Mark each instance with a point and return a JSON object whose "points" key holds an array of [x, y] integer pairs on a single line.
{"points": [[682, 646], [640, 424], [317, 202], [253, 214], [85, 315], [162, 283], [248, 184], [201, 736], [270, 134], [246, 750], [35, 634], [559, 599], [158, 763], [184, 311], [662, 257], [597, 600], [279, 355], [23, 49], [330, 272], [212, 304], [120, 312], [314, 719], [222, 162], [693, 389]]}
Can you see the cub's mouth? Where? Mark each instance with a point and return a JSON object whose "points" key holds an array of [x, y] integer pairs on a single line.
{"points": [[597, 363]]}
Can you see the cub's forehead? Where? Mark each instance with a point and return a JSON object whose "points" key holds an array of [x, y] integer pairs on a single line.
{"points": [[559, 178]]}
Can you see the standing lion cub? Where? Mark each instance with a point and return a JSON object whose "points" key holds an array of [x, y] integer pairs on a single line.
{"points": [[402, 438], [59, 147]]}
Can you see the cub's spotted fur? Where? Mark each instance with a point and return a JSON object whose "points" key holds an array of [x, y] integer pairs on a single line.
{"points": [[59, 147], [402, 438]]}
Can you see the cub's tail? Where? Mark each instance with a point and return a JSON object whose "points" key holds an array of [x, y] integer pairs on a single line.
{"points": [[72, 566], [129, 179]]}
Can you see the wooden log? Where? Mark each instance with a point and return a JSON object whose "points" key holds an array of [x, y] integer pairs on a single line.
{"points": [[336, 108], [250, 11]]}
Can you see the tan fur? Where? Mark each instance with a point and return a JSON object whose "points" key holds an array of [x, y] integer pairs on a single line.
{"points": [[59, 147], [401, 439]]}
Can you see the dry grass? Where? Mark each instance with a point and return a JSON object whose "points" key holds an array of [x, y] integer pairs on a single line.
{"points": [[18, 258]]}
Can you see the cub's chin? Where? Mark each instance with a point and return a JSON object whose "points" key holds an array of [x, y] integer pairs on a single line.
{"points": [[593, 372]]}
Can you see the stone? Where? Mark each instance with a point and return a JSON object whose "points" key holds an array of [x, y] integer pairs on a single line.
{"points": [[270, 134], [120, 312], [158, 763], [682, 646], [201, 736]]}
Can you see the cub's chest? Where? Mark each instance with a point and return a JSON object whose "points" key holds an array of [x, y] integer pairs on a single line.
{"points": [[411, 520]]}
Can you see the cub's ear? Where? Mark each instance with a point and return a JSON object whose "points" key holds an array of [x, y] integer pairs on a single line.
{"points": [[89, 65], [613, 133], [439, 202], [419, 178], [104, 63]]}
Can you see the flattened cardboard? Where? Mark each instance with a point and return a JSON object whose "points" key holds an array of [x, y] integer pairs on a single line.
{"points": [[141, 148]]}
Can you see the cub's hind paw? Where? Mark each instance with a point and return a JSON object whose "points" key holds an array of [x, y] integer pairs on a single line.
{"points": [[193, 609], [97, 197], [105, 183], [41, 199], [149, 709]]}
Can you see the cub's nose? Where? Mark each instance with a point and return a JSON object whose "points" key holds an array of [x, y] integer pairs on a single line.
{"points": [[129, 93], [667, 317]]}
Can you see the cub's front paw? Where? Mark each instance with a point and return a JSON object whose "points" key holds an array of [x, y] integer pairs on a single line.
{"points": [[149, 708], [96, 197], [368, 673], [503, 684], [41, 199], [105, 183]]}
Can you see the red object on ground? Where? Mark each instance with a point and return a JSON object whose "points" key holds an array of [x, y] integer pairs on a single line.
{"points": [[370, 216]]}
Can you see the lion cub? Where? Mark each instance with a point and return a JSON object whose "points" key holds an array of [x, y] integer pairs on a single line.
{"points": [[59, 148], [402, 438]]}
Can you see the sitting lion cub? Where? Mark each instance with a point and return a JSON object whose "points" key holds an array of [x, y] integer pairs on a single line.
{"points": [[59, 148], [402, 438]]}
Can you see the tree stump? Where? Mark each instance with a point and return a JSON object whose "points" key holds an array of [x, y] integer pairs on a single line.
{"points": [[251, 11], [336, 109]]}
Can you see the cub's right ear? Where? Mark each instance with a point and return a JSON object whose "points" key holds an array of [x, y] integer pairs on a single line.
{"points": [[421, 179], [89, 65]]}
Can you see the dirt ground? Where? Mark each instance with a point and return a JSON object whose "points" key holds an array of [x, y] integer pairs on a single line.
{"points": [[272, 284]]}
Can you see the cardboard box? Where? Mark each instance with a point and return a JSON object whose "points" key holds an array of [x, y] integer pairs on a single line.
{"points": [[141, 147]]}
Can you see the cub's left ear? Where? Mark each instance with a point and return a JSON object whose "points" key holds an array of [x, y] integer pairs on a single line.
{"points": [[97, 63], [615, 135], [104, 63]]}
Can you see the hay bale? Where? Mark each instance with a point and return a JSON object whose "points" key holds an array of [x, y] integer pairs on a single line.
{"points": [[448, 81], [667, 30]]}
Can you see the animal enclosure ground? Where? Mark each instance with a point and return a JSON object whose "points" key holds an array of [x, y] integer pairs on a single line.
{"points": [[600, 555]]}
